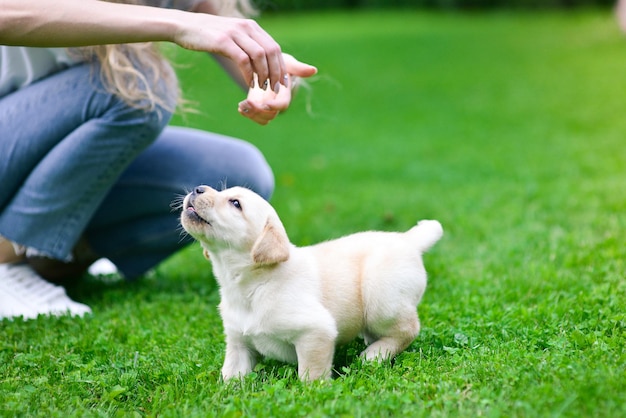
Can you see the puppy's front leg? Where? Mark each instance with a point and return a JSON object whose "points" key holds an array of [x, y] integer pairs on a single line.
{"points": [[315, 351], [239, 360]]}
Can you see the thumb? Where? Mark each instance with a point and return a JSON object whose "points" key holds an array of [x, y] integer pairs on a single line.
{"points": [[304, 70], [298, 68]]}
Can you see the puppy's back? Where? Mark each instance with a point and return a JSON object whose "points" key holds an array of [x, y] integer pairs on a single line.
{"points": [[420, 238]]}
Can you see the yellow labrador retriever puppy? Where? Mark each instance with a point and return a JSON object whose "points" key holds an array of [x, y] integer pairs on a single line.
{"points": [[296, 304]]}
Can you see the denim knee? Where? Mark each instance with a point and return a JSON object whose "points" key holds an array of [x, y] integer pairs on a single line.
{"points": [[260, 176], [147, 117]]}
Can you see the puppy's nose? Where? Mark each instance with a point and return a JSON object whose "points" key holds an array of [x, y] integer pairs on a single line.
{"points": [[199, 190]]}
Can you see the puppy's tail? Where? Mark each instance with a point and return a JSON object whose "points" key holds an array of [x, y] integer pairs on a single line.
{"points": [[425, 234]]}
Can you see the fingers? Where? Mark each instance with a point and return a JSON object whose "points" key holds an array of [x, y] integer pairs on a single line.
{"points": [[260, 54], [263, 105], [265, 102], [243, 41], [259, 114]]}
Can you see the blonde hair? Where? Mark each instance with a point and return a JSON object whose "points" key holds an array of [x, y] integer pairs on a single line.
{"points": [[236, 8], [138, 73]]}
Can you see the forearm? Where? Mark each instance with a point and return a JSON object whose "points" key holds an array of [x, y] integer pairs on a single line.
{"points": [[68, 23]]}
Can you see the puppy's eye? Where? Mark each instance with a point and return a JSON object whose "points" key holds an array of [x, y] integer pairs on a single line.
{"points": [[235, 203]]}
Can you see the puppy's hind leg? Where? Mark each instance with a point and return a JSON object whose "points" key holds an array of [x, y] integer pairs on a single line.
{"points": [[393, 340], [315, 352]]}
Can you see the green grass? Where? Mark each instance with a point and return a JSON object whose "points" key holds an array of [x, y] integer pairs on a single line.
{"points": [[508, 128]]}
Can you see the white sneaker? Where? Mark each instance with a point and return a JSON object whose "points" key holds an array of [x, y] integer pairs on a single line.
{"points": [[24, 293], [102, 267]]}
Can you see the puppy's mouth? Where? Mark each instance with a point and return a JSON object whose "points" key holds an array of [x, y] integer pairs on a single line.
{"points": [[191, 212]]}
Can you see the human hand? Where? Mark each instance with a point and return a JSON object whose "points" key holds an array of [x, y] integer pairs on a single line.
{"points": [[263, 104], [243, 41]]}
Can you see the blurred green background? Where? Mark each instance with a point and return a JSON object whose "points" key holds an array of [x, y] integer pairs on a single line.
{"points": [[294, 5]]}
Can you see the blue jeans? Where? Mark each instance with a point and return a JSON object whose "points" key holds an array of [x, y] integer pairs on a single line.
{"points": [[76, 161]]}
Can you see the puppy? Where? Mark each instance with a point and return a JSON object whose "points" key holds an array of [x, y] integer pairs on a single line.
{"points": [[296, 304]]}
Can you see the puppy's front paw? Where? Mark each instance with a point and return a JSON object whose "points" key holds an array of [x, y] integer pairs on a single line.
{"points": [[228, 375], [239, 361], [315, 355], [239, 370]]}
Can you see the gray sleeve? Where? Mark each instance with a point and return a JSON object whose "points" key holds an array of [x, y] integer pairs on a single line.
{"points": [[172, 4]]}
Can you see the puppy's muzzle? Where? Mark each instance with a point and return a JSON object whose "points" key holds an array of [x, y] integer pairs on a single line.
{"points": [[192, 201]]}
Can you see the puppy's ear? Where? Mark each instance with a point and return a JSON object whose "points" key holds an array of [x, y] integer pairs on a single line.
{"points": [[272, 246], [206, 254]]}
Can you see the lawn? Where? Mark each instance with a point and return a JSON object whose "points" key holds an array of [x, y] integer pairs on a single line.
{"points": [[508, 128]]}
